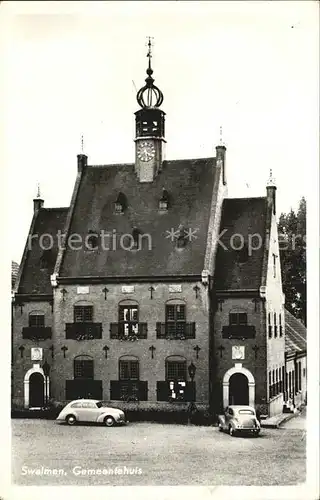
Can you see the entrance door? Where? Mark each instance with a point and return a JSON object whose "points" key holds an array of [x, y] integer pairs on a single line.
{"points": [[238, 389], [36, 390]]}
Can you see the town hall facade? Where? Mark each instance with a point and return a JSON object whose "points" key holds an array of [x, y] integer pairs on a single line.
{"points": [[154, 288]]}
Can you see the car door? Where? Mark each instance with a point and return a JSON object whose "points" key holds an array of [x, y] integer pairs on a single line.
{"points": [[87, 412]]}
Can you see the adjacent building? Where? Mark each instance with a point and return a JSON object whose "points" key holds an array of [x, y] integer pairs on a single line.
{"points": [[153, 286]]}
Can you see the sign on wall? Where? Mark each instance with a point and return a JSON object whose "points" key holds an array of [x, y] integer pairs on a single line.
{"points": [[127, 289], [175, 288], [238, 352], [82, 289], [36, 353]]}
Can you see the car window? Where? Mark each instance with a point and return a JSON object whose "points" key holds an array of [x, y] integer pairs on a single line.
{"points": [[246, 412], [99, 404], [88, 404], [76, 405], [230, 411]]}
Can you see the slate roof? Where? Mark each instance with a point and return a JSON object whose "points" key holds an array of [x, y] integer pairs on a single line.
{"points": [[35, 278], [189, 184], [295, 334], [242, 216]]}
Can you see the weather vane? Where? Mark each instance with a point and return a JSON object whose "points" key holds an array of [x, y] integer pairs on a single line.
{"points": [[82, 143], [38, 190], [220, 134], [150, 45]]}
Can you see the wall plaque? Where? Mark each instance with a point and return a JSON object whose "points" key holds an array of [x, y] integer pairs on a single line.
{"points": [[36, 353], [175, 288], [82, 289], [127, 289], [238, 352]]}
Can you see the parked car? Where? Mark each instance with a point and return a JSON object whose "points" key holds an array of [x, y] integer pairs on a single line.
{"points": [[239, 419], [91, 410]]}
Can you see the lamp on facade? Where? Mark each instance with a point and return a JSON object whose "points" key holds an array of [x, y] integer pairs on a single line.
{"points": [[192, 371], [46, 371]]}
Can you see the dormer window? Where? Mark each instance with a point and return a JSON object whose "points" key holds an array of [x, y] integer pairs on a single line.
{"points": [[135, 236], [181, 239], [164, 201], [120, 204], [242, 254], [92, 240]]}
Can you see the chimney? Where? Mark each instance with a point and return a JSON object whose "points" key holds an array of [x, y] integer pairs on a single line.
{"points": [[271, 192], [38, 201], [221, 158], [82, 162]]}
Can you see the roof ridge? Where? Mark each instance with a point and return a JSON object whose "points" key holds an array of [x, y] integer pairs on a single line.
{"points": [[126, 164], [50, 209], [296, 319], [247, 198]]}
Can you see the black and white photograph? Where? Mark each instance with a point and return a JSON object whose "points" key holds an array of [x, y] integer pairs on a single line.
{"points": [[160, 169]]}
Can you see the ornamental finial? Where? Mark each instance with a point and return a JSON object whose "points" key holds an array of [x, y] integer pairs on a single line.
{"points": [[271, 180], [38, 190], [149, 96]]}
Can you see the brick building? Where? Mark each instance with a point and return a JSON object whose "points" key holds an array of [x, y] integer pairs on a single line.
{"points": [[154, 293]]}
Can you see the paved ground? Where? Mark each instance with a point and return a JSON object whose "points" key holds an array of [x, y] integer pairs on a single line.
{"points": [[155, 454], [297, 422]]}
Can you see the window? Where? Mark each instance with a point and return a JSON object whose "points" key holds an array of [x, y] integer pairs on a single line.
{"points": [[92, 240], [47, 259], [275, 325], [270, 386], [128, 369], [120, 204], [136, 237], [269, 325], [176, 370], [76, 405], [36, 320], [242, 254], [176, 319], [83, 368], [280, 325], [83, 314], [238, 319], [128, 319], [181, 239], [246, 412], [274, 257], [164, 201], [283, 380]]}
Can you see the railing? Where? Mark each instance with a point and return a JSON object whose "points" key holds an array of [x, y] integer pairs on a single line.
{"points": [[172, 331], [128, 390], [83, 388], [238, 332], [83, 331], [129, 332], [164, 392], [37, 332]]}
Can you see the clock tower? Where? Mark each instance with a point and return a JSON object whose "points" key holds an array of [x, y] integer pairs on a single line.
{"points": [[149, 128]]}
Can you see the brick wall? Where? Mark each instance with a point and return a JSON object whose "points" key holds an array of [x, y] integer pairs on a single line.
{"points": [[22, 364], [150, 311], [255, 363]]}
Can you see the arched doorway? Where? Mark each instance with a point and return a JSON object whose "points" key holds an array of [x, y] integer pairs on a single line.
{"points": [[36, 390], [242, 391], [34, 393], [238, 389]]}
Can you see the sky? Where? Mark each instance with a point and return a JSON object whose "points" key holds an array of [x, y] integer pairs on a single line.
{"points": [[72, 69]]}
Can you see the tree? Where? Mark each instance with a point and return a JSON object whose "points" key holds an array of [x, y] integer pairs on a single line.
{"points": [[292, 244]]}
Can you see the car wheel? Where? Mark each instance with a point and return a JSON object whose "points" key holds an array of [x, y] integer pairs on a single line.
{"points": [[109, 421], [71, 419], [220, 428]]}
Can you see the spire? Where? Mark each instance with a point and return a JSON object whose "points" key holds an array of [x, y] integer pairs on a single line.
{"points": [[271, 181], [38, 201], [149, 96]]}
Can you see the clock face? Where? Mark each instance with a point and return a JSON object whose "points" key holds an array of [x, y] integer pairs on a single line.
{"points": [[146, 151]]}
